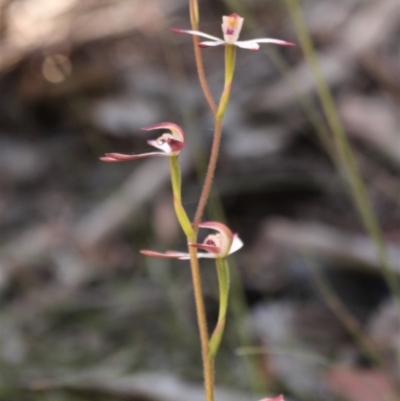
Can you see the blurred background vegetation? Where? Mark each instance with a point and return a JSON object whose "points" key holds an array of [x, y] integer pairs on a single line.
{"points": [[82, 315]]}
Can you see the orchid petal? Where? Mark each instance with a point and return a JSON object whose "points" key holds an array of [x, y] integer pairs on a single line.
{"points": [[268, 40], [211, 44], [237, 243], [195, 33], [247, 44], [279, 398], [119, 157], [217, 226]]}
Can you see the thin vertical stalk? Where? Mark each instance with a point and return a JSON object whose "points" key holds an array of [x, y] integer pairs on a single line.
{"points": [[343, 147], [176, 190], [194, 20], [223, 103], [208, 365], [223, 284], [237, 300], [208, 368], [209, 175]]}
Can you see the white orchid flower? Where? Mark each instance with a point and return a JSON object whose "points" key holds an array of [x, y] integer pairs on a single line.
{"points": [[231, 27], [218, 245], [169, 144]]}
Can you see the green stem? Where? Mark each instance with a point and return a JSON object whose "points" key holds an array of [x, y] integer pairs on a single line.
{"points": [[176, 179], [230, 53], [176, 189], [223, 284]]}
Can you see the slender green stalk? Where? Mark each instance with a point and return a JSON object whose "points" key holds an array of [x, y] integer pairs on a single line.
{"points": [[176, 189], [223, 284], [223, 103], [176, 179], [344, 151], [230, 53], [208, 365]]}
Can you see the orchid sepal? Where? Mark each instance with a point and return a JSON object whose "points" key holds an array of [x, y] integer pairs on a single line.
{"points": [[196, 33], [174, 255], [176, 130], [279, 42], [211, 43], [120, 157], [165, 255]]}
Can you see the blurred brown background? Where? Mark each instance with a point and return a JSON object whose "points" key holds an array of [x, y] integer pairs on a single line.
{"points": [[83, 316]]}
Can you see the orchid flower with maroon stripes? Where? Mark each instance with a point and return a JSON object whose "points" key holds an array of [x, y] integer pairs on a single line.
{"points": [[231, 27], [217, 246], [169, 144]]}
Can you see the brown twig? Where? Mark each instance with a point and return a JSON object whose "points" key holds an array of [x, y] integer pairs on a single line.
{"points": [[229, 69], [194, 20]]}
